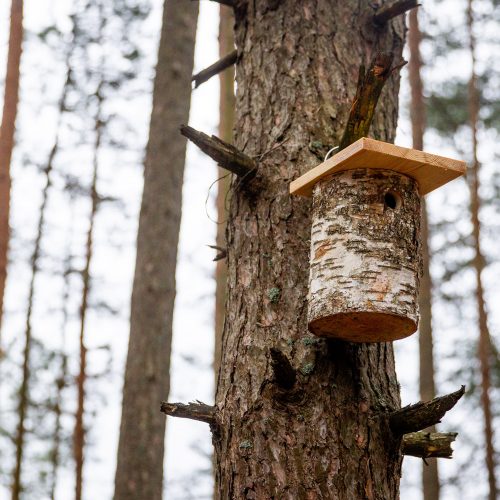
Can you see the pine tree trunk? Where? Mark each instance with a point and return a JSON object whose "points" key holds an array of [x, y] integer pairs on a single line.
{"points": [[430, 477], [7, 130], [484, 347], [141, 446], [323, 437], [55, 454], [24, 389], [226, 122]]}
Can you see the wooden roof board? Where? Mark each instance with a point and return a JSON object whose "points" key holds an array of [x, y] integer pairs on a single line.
{"points": [[429, 170]]}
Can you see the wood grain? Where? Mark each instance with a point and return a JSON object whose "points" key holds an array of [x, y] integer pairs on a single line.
{"points": [[429, 170]]}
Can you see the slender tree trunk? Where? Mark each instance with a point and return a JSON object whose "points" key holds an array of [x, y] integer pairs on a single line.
{"points": [[25, 383], [7, 130], [80, 431], [430, 477], [226, 122], [324, 437], [484, 348], [141, 447], [61, 380]]}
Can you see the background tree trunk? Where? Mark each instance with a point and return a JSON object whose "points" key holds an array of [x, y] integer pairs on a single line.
{"points": [[484, 346], [80, 431], [24, 389], [430, 477], [141, 446], [61, 381], [7, 130], [324, 437], [226, 122]]}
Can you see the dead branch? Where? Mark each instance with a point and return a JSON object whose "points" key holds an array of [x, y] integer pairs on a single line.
{"points": [[388, 12], [229, 3], [195, 411], [225, 154], [369, 88], [221, 252], [284, 373], [413, 418], [215, 68], [429, 444]]}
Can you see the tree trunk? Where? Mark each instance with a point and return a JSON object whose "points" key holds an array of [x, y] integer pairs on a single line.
{"points": [[320, 434], [484, 347], [226, 122], [141, 446], [24, 389], [430, 477], [79, 431], [7, 130], [55, 454]]}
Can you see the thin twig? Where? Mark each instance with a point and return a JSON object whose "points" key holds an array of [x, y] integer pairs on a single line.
{"points": [[222, 252]]}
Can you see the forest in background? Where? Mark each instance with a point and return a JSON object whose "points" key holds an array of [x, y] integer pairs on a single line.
{"points": [[86, 79]]}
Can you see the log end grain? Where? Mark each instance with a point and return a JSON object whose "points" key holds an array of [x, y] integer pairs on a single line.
{"points": [[363, 326]]}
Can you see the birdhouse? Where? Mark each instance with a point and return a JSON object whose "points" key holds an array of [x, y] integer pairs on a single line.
{"points": [[366, 253]]}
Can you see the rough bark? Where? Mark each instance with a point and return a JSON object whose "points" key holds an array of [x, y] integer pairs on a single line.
{"points": [[80, 431], [321, 439], [365, 259], [430, 476], [484, 347], [7, 130], [226, 122], [24, 389], [141, 445]]}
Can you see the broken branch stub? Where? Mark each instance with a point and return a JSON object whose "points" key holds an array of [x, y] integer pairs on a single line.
{"points": [[284, 373], [369, 88], [429, 444], [419, 416], [226, 155], [388, 12], [215, 69], [194, 411]]}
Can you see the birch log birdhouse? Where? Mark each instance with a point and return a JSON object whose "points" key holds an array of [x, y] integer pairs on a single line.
{"points": [[366, 259]]}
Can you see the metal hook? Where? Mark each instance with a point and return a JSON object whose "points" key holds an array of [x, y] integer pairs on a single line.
{"points": [[329, 152]]}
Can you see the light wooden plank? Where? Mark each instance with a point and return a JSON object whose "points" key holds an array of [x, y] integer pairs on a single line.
{"points": [[429, 170]]}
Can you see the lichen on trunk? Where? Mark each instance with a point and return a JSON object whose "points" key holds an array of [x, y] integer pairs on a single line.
{"points": [[326, 436]]}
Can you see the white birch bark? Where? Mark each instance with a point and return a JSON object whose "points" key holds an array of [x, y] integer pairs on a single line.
{"points": [[365, 256]]}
